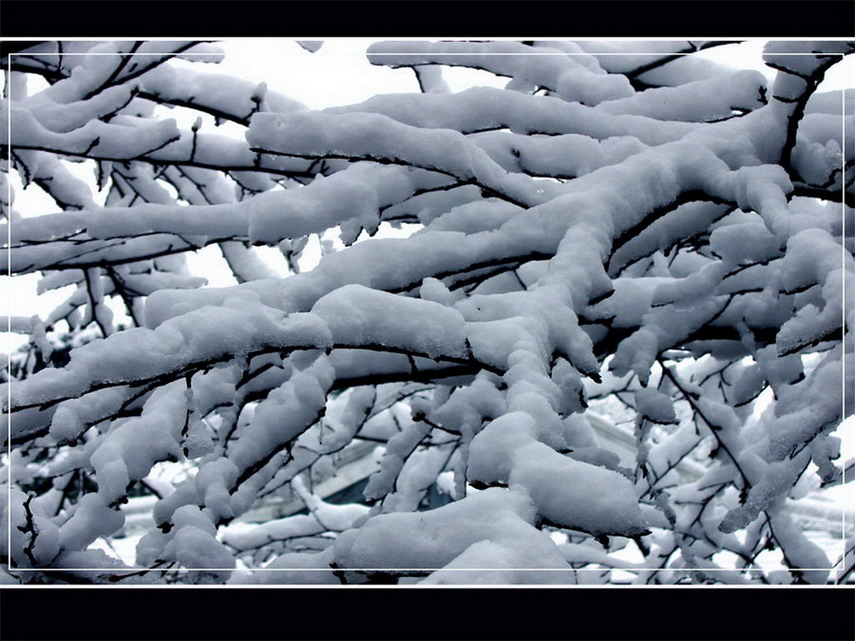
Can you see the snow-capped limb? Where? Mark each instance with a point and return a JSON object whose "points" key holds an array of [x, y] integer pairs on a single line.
{"points": [[356, 195], [383, 140], [559, 156], [162, 146], [45, 170], [120, 142], [713, 99], [142, 355], [434, 539], [572, 79], [509, 451], [350, 317], [484, 108], [231, 99], [63, 117]]}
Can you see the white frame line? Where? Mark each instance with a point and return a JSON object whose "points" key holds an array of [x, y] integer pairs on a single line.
{"points": [[132, 570]]}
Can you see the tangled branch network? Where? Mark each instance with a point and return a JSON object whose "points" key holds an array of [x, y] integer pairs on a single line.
{"points": [[650, 236]]}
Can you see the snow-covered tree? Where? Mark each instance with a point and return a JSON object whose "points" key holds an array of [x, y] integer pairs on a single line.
{"points": [[648, 235]]}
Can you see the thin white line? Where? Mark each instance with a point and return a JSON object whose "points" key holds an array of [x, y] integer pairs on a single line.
{"points": [[843, 309], [607, 569], [131, 569], [489, 586], [9, 316], [375, 38], [394, 570], [569, 53], [414, 53]]}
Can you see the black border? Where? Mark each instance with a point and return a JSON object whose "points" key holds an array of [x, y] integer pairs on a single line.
{"points": [[497, 614], [426, 614], [423, 18]]}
